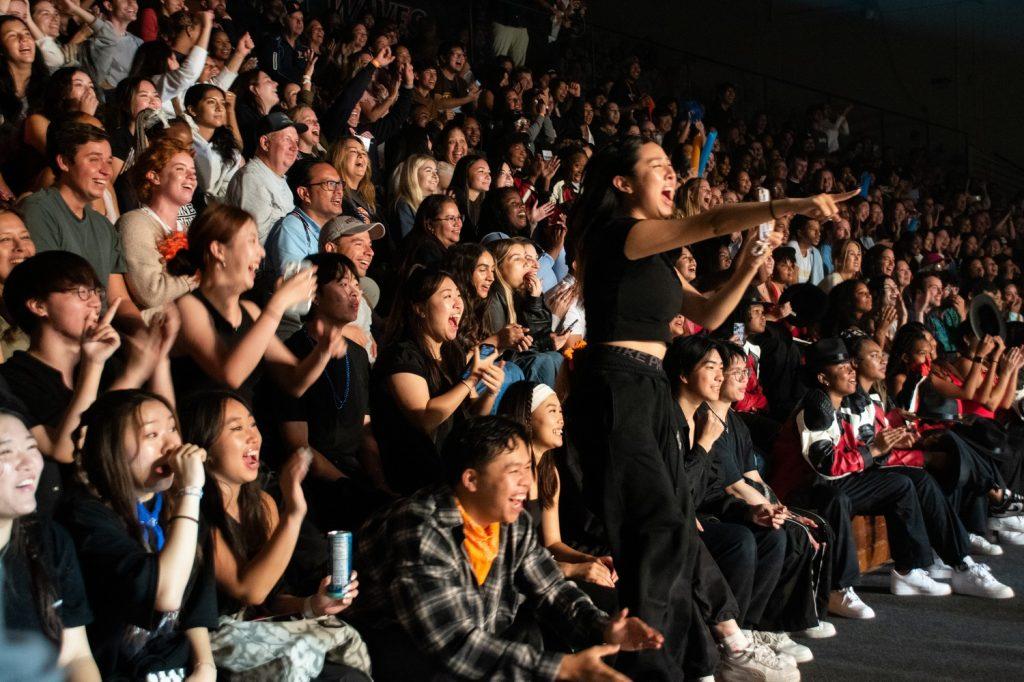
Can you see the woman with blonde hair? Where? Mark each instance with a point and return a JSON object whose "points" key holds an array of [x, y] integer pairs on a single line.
{"points": [[847, 261], [350, 158], [417, 180]]}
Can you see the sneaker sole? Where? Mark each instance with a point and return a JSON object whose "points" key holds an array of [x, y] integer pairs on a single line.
{"points": [[852, 615], [1014, 539], [1006, 593], [801, 658], [906, 591]]}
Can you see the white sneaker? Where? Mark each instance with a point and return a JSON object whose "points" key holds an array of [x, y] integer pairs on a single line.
{"points": [[823, 630], [939, 570], [1010, 537], [757, 663], [980, 545], [978, 581], [847, 604], [916, 582], [1000, 523], [780, 643]]}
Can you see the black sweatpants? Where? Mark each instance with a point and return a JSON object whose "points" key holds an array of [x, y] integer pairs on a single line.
{"points": [[625, 426], [918, 517], [751, 560]]}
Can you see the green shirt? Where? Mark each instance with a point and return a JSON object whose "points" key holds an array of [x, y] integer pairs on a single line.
{"points": [[54, 227]]}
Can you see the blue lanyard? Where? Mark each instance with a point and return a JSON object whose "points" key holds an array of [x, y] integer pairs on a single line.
{"points": [[306, 227], [150, 522]]}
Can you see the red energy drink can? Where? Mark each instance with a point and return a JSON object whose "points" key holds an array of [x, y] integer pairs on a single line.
{"points": [[341, 562]]}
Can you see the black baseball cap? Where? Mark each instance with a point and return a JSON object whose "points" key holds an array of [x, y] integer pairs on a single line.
{"points": [[276, 121]]}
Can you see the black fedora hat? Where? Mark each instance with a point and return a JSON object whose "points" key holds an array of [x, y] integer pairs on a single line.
{"points": [[985, 317]]}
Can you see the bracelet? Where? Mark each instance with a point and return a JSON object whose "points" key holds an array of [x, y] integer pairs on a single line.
{"points": [[465, 382], [771, 209], [191, 490], [184, 516], [307, 608], [307, 79], [977, 358]]}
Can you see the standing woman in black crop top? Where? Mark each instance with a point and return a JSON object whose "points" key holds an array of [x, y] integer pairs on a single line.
{"points": [[226, 342], [622, 419]]}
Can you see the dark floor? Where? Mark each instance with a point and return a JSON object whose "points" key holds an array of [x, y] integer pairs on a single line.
{"points": [[928, 638]]}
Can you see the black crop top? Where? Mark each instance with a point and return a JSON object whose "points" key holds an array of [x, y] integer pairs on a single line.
{"points": [[628, 300]]}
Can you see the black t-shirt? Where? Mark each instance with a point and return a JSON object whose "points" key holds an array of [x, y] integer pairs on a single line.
{"points": [[19, 591], [129, 637], [732, 455], [450, 88], [628, 300], [334, 407], [40, 389], [409, 456]]}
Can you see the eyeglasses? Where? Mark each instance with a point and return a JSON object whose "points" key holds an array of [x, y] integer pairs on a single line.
{"points": [[84, 292], [451, 220], [329, 185], [738, 373]]}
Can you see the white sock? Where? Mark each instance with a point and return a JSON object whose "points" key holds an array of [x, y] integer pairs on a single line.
{"points": [[736, 643]]}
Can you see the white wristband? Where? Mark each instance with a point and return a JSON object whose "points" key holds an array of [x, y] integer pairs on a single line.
{"points": [[307, 608]]}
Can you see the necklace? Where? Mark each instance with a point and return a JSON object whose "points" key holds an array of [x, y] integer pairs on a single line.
{"points": [[339, 403]]}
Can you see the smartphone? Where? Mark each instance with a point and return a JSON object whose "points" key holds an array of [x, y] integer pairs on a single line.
{"points": [[291, 269], [545, 154], [739, 330], [764, 229]]}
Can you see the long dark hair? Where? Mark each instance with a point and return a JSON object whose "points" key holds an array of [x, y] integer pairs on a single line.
{"points": [[26, 540], [841, 315], [599, 201], [223, 142], [100, 459], [516, 404], [56, 98], [460, 260], [151, 60], [10, 104], [405, 323], [202, 420]]}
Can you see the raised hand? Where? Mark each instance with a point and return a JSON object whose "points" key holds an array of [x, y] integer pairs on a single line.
{"points": [[186, 463], [541, 211], [297, 289], [292, 475], [100, 340]]}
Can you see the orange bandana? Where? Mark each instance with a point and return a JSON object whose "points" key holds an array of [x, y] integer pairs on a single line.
{"points": [[481, 544]]}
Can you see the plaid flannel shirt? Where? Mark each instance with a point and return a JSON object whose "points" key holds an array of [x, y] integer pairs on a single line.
{"points": [[413, 571]]}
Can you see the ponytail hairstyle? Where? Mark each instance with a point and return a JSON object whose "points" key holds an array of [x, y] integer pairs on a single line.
{"points": [[902, 344], [217, 223], [223, 142], [599, 201], [516, 404], [202, 421]]}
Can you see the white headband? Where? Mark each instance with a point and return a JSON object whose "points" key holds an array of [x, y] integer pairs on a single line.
{"points": [[541, 392]]}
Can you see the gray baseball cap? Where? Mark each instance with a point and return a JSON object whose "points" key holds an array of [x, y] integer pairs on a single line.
{"points": [[346, 225]]}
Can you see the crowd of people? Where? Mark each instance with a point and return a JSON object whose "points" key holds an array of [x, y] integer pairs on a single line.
{"points": [[597, 377]]}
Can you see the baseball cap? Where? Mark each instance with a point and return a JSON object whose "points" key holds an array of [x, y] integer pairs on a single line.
{"points": [[345, 226], [275, 121]]}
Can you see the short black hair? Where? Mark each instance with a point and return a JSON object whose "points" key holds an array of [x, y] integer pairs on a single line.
{"points": [[64, 139], [783, 254], [331, 267], [476, 442], [684, 353], [38, 277], [300, 175]]}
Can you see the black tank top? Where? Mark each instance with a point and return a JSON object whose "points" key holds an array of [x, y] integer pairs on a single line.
{"points": [[628, 300], [189, 376]]}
